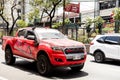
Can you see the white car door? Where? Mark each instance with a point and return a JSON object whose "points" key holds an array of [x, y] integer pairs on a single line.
{"points": [[112, 47]]}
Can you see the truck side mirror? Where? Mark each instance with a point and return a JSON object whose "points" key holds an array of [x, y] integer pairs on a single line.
{"points": [[32, 37]]}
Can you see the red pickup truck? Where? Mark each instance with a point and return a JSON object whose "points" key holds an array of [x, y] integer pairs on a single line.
{"points": [[48, 47]]}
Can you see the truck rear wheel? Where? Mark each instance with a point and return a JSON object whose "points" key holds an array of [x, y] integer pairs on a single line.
{"points": [[9, 56], [43, 65], [77, 68]]}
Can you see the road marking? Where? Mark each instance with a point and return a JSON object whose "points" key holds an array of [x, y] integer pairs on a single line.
{"points": [[2, 78]]}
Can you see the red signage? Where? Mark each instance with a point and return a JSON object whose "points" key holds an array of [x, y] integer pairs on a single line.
{"points": [[73, 8]]}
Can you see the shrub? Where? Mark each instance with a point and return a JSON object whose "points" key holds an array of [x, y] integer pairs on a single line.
{"points": [[21, 24]]}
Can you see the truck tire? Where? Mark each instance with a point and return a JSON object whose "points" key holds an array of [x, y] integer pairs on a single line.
{"points": [[9, 59], [43, 65], [77, 68], [99, 57]]}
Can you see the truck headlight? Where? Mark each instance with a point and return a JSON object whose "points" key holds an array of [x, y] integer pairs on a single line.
{"points": [[57, 48]]}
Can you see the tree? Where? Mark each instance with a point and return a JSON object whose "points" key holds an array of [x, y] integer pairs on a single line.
{"points": [[48, 6], [116, 17], [2, 7], [21, 23], [116, 13], [88, 23], [98, 23], [35, 10], [59, 24], [3, 3]]}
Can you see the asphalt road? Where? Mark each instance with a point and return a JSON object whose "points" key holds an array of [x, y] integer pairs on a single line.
{"points": [[23, 70]]}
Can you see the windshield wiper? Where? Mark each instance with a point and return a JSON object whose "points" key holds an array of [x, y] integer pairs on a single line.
{"points": [[54, 38]]}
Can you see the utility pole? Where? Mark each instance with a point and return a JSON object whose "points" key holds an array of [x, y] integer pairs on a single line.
{"points": [[117, 3], [96, 10], [63, 26], [117, 22], [23, 9]]}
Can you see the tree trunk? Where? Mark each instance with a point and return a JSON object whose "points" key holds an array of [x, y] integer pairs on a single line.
{"points": [[11, 30], [117, 26], [7, 25], [51, 22]]}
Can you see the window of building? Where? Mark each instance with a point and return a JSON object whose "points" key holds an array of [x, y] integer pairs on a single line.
{"points": [[107, 4]]}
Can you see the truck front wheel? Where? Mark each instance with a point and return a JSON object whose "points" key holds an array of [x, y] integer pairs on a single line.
{"points": [[9, 56], [43, 65]]}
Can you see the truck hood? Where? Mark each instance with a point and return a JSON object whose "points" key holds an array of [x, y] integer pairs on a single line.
{"points": [[63, 42]]}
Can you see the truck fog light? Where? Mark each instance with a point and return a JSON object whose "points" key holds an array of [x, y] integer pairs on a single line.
{"points": [[58, 60]]}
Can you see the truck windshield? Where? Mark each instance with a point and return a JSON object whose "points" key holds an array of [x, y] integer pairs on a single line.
{"points": [[50, 35]]}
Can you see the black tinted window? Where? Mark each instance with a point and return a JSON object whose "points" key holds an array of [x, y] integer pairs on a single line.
{"points": [[101, 39], [21, 33], [113, 39], [29, 33]]}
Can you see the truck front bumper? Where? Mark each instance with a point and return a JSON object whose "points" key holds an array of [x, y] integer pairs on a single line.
{"points": [[67, 60]]}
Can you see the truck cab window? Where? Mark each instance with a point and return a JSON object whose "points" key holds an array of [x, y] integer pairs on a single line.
{"points": [[30, 35], [21, 33]]}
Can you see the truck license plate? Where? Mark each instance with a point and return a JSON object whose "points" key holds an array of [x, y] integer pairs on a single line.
{"points": [[76, 57]]}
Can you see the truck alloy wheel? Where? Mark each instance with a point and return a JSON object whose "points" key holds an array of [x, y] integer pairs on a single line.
{"points": [[99, 57], [43, 65], [9, 57]]}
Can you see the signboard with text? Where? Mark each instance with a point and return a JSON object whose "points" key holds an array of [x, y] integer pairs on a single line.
{"points": [[71, 7]]}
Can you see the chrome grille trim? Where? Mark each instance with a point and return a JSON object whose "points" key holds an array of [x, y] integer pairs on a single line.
{"points": [[74, 50]]}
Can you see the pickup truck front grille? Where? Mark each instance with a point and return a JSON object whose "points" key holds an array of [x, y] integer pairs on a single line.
{"points": [[78, 50]]}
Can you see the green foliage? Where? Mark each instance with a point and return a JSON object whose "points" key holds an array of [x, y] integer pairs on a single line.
{"points": [[21, 23], [45, 4], [33, 14], [58, 24], [98, 20], [67, 21], [84, 39], [116, 13], [48, 6], [88, 22], [108, 29], [35, 2]]}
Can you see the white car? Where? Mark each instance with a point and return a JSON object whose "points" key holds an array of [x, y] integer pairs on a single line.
{"points": [[105, 47]]}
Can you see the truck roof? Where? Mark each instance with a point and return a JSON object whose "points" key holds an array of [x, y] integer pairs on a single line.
{"points": [[40, 29]]}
